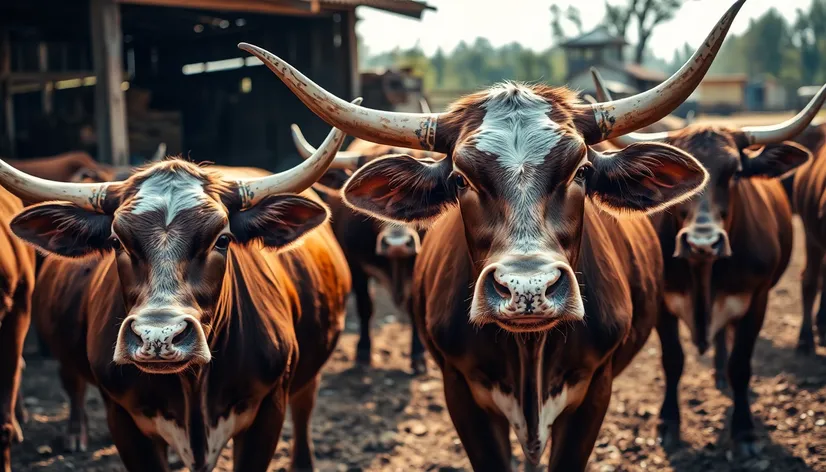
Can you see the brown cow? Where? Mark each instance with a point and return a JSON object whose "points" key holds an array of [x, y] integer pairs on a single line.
{"points": [[196, 329], [529, 297], [724, 251], [374, 248], [810, 204], [16, 284]]}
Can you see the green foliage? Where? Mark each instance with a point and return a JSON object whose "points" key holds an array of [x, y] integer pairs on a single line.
{"points": [[477, 65]]}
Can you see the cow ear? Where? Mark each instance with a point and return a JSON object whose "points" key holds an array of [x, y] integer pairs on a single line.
{"points": [[644, 177], [64, 229], [774, 160], [401, 188], [277, 221]]}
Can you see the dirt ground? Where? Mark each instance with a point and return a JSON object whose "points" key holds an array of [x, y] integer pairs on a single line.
{"points": [[384, 419]]}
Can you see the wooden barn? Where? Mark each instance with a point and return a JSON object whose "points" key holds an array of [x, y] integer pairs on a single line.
{"points": [[117, 77]]}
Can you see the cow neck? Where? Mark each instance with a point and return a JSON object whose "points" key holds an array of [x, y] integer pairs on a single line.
{"points": [[702, 296], [225, 306], [530, 388]]}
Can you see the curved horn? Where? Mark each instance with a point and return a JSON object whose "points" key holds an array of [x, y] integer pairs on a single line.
{"points": [[424, 105], [690, 117], [160, 153], [410, 130], [627, 139], [29, 188], [297, 179], [618, 117], [344, 159], [789, 128]]}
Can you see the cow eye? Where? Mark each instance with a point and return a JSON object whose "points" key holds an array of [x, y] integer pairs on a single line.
{"points": [[115, 244], [460, 181], [222, 243], [582, 173]]}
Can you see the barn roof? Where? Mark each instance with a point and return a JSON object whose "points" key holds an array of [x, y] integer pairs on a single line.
{"points": [[411, 8]]}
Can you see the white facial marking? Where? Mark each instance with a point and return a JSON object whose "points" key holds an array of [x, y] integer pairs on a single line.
{"points": [[170, 192], [518, 130]]}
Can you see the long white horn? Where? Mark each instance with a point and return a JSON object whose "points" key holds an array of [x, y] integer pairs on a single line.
{"points": [[410, 130], [160, 153], [604, 95], [297, 179], [789, 128], [29, 188], [618, 117], [344, 159]]}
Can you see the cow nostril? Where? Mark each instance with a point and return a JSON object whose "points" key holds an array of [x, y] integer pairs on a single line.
{"points": [[718, 244], [409, 243], [558, 289], [181, 337], [501, 289]]}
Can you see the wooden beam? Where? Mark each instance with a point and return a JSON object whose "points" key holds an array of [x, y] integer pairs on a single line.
{"points": [[288, 7], [110, 106], [6, 97], [353, 50], [48, 87]]}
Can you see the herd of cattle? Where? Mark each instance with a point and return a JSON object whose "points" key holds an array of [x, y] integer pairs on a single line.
{"points": [[202, 301]]}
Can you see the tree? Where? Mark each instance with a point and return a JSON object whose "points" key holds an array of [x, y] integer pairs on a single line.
{"points": [[439, 65], [809, 32], [645, 14], [571, 14]]}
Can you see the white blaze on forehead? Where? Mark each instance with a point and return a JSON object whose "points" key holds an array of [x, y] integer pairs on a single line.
{"points": [[171, 193], [517, 128]]}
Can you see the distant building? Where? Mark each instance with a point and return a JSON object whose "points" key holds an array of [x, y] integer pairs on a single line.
{"points": [[603, 50]]}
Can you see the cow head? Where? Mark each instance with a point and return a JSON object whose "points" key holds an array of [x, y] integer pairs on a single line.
{"points": [[171, 227], [520, 167], [728, 154]]}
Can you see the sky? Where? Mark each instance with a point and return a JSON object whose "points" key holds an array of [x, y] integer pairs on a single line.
{"points": [[528, 22]]}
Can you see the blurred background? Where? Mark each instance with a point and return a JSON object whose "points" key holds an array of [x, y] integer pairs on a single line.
{"points": [[114, 78]]}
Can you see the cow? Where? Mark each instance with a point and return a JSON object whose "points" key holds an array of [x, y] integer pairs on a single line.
{"points": [[374, 248], [16, 285], [196, 324], [724, 251], [808, 199], [529, 297]]}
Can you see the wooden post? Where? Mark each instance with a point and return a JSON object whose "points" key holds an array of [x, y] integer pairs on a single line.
{"points": [[5, 92], [353, 52], [110, 106], [43, 66]]}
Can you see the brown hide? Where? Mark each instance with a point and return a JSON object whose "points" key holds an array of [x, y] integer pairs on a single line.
{"points": [[16, 284]]}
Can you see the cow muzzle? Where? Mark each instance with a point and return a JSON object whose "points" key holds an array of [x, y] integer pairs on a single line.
{"points": [[398, 242], [527, 294], [161, 343], [707, 241]]}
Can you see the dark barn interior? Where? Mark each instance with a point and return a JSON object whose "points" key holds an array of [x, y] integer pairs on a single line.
{"points": [[184, 81]]}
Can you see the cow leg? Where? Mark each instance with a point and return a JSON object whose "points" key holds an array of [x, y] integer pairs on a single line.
{"points": [[253, 449], [138, 452], [739, 372], [673, 359], [821, 312], [364, 306], [575, 434], [13, 330], [20, 411], [77, 437], [720, 360], [484, 435], [809, 285], [417, 360], [301, 409]]}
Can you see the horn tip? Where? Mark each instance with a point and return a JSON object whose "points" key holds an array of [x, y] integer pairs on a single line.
{"points": [[357, 101]]}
